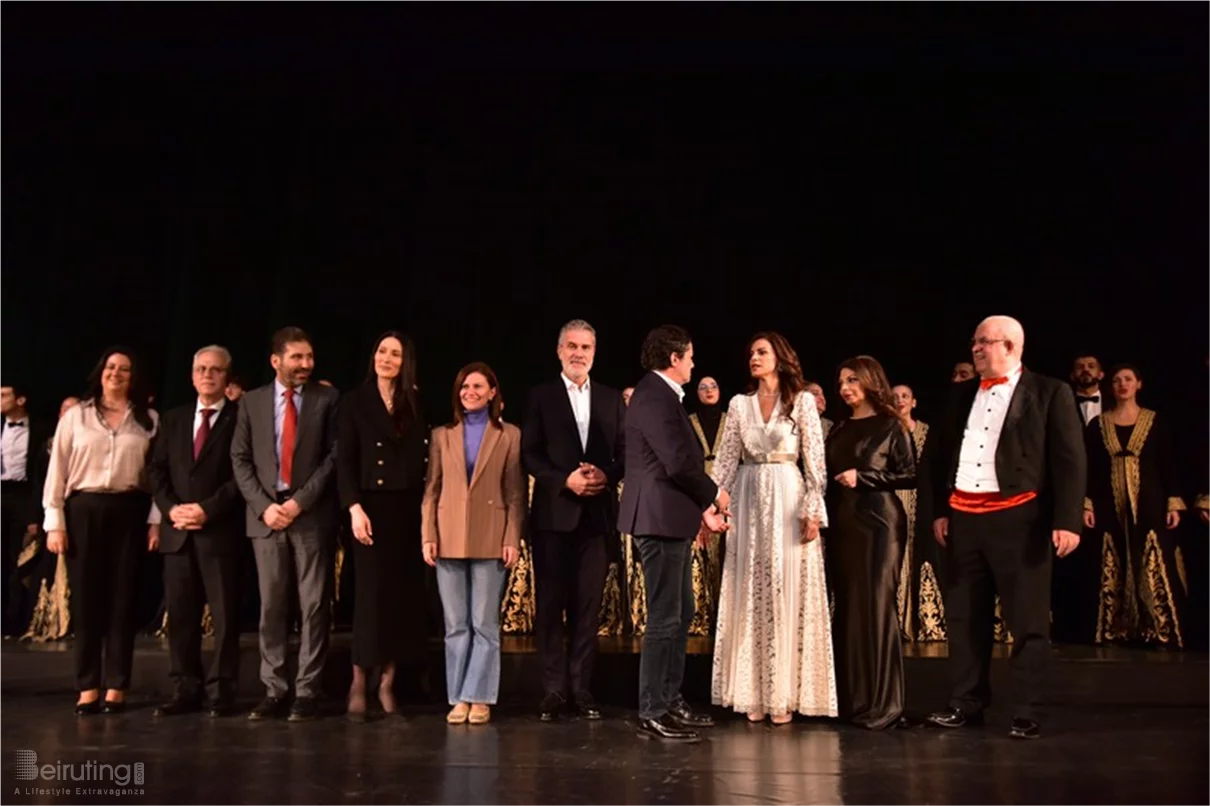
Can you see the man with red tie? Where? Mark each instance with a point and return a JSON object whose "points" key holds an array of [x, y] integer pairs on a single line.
{"points": [[1008, 482], [284, 453], [193, 484]]}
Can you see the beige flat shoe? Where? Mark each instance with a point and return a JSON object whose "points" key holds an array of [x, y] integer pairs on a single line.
{"points": [[755, 717], [782, 719], [458, 714], [480, 714]]}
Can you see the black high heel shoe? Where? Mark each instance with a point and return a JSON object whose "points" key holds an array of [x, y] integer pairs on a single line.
{"points": [[88, 708]]}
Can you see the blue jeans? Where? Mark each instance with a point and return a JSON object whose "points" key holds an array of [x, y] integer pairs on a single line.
{"points": [[668, 576], [470, 598]]}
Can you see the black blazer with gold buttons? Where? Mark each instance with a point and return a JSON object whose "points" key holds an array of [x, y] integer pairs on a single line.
{"points": [[371, 454]]}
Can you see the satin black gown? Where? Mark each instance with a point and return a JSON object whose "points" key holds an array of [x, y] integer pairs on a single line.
{"points": [[865, 545]]}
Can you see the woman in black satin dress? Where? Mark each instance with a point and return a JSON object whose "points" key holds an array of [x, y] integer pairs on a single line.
{"points": [[869, 456]]}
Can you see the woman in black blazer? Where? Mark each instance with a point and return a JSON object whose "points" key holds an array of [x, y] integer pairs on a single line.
{"points": [[380, 475]]}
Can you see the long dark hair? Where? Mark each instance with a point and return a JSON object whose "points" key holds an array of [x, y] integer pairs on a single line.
{"points": [[138, 391], [789, 371], [405, 403], [495, 407], [874, 383]]}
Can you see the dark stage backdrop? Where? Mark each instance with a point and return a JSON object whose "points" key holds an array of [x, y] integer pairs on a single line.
{"points": [[172, 180]]}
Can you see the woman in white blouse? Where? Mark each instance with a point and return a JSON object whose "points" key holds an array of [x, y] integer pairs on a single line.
{"points": [[96, 505]]}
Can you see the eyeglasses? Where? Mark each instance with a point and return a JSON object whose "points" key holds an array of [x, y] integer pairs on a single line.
{"points": [[209, 370], [984, 342], [707, 387]]}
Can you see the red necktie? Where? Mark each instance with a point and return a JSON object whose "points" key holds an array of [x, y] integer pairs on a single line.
{"points": [[988, 383], [289, 428], [203, 431]]}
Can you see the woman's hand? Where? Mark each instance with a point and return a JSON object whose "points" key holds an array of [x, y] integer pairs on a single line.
{"points": [[363, 530], [810, 530], [510, 556], [848, 478], [1090, 520], [153, 537], [56, 541], [1174, 519], [430, 554]]}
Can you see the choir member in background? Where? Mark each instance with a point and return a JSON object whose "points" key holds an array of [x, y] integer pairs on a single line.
{"points": [[96, 502], [380, 475], [571, 443], [471, 520], [1134, 502], [50, 617], [626, 393], [193, 485], [921, 611], [283, 453], [870, 459], [963, 372], [18, 448], [1086, 377], [1008, 486], [708, 423], [773, 651], [235, 389], [821, 405]]}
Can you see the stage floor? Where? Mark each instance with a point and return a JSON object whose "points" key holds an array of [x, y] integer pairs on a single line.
{"points": [[1125, 726]]}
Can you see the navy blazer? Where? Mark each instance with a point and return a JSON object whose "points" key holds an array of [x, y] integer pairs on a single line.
{"points": [[666, 489]]}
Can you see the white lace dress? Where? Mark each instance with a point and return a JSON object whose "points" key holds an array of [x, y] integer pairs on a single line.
{"points": [[773, 647]]}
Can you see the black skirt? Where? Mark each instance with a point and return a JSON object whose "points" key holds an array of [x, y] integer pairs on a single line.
{"points": [[389, 617]]}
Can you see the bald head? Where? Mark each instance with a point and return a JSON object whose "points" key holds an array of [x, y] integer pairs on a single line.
{"points": [[997, 346]]}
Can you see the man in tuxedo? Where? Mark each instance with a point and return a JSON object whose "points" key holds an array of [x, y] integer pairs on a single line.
{"points": [[1009, 480], [194, 487], [1086, 377], [572, 445], [666, 501], [19, 528], [284, 453]]}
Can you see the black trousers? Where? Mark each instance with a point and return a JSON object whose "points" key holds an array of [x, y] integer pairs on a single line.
{"points": [[106, 533], [1007, 552], [668, 575], [569, 575], [204, 570], [14, 518]]}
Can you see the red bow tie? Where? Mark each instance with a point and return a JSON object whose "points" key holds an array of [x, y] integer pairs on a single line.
{"points": [[988, 383]]}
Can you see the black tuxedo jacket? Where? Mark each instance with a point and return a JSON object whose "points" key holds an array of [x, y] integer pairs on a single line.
{"points": [[370, 454], [550, 451], [209, 481], [667, 488], [1041, 448]]}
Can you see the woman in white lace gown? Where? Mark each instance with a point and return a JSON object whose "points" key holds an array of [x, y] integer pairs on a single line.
{"points": [[773, 648]]}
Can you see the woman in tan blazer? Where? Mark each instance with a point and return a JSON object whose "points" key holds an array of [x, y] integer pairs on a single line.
{"points": [[471, 531]]}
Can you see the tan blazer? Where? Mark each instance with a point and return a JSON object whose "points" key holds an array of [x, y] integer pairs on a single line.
{"points": [[476, 520]]}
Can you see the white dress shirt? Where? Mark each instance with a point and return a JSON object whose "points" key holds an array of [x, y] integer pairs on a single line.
{"points": [[14, 450], [581, 406], [676, 387], [1090, 409], [217, 408], [977, 458]]}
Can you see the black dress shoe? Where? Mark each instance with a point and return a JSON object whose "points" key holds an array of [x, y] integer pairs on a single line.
{"points": [[304, 709], [586, 707], [667, 729], [88, 708], [217, 709], [177, 706], [269, 708], [1025, 729], [684, 716], [113, 707], [550, 707], [954, 718]]}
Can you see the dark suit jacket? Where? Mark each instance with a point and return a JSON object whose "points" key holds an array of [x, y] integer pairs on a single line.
{"points": [[370, 454], [550, 451], [1041, 448], [254, 459], [209, 481], [666, 489], [37, 464]]}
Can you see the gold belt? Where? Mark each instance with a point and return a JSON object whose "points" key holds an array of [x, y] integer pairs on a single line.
{"points": [[776, 459]]}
